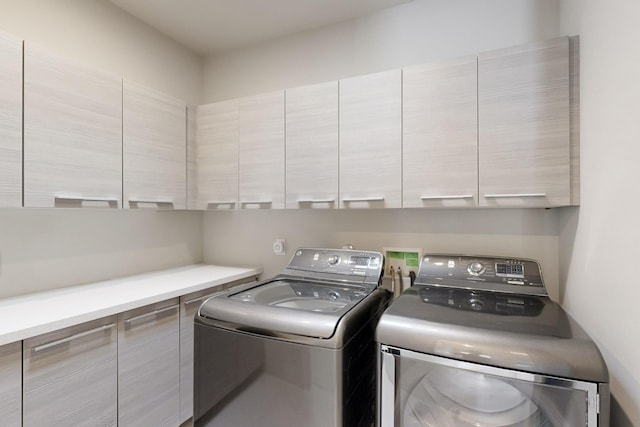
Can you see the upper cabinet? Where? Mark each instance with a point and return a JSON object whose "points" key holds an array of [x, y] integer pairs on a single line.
{"points": [[371, 141], [312, 146], [10, 121], [154, 146], [440, 137], [72, 133], [261, 151], [217, 155], [524, 132]]}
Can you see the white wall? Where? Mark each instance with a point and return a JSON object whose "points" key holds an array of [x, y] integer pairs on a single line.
{"points": [[412, 33], [599, 242], [99, 34], [45, 248]]}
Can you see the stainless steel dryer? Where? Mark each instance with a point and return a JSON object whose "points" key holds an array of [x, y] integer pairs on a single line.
{"points": [[297, 350], [477, 342]]}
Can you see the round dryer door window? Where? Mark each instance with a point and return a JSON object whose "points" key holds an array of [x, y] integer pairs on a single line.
{"points": [[449, 397]]}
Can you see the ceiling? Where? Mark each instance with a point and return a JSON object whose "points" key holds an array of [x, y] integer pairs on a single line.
{"points": [[211, 26]]}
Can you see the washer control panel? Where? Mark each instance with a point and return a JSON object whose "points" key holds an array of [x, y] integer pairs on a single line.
{"points": [[346, 262], [513, 275]]}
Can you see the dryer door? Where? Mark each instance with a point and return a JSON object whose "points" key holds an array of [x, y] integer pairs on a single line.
{"points": [[419, 390]]}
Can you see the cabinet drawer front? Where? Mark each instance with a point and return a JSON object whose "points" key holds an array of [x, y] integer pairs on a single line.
{"points": [[70, 376], [10, 121], [72, 131], [524, 133], [148, 365], [11, 384], [440, 135], [371, 141], [312, 146], [154, 148], [217, 155]]}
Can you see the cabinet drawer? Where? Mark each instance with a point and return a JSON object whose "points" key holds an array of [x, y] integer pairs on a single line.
{"points": [[70, 376], [148, 366]]}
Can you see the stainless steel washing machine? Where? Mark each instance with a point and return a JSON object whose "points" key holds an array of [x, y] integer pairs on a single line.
{"points": [[477, 342], [297, 350]]}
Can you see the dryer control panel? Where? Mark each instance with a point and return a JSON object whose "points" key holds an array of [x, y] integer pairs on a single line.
{"points": [[512, 275]]}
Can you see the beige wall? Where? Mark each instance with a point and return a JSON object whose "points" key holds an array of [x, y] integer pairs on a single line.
{"points": [[412, 33], [97, 33], [45, 248], [599, 242]]}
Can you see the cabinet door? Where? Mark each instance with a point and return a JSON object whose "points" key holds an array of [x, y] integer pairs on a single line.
{"points": [[155, 148], [188, 308], [72, 133], [261, 151], [192, 158], [524, 146], [440, 134], [70, 376], [148, 366], [371, 141], [312, 146], [217, 164], [10, 121], [11, 384]]}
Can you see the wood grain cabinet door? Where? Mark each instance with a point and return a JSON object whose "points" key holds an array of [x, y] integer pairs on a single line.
{"points": [[148, 366], [261, 151], [524, 133], [72, 133], [11, 384], [312, 146], [217, 155], [70, 376], [154, 139], [10, 121], [440, 134], [371, 141]]}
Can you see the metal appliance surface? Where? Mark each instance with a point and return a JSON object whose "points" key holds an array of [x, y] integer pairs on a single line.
{"points": [[297, 349], [477, 341]]}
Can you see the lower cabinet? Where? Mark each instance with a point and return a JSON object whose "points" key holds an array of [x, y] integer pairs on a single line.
{"points": [[148, 366], [11, 384], [70, 376], [188, 307]]}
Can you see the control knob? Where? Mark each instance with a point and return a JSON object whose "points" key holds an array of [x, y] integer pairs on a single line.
{"points": [[475, 304], [333, 260], [476, 268]]}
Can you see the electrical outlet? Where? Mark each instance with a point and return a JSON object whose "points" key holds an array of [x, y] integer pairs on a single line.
{"points": [[405, 259], [279, 247]]}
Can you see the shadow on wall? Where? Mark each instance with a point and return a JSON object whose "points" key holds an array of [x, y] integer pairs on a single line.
{"points": [[567, 227], [618, 417]]}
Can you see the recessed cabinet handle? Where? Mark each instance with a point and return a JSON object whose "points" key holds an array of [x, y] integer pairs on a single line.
{"points": [[78, 200], [364, 199], [196, 300], [461, 196], [316, 200], [256, 202], [214, 204], [162, 204], [128, 323], [71, 338], [513, 195]]}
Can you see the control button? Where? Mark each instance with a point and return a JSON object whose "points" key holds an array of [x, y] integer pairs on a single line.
{"points": [[333, 260], [476, 268], [475, 304]]}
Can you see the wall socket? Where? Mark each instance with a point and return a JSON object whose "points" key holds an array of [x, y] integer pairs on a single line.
{"points": [[279, 247]]}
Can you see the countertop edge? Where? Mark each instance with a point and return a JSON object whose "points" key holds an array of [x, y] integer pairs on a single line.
{"points": [[174, 282]]}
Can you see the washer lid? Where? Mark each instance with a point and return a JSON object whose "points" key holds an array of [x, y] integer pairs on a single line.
{"points": [[292, 306], [524, 333]]}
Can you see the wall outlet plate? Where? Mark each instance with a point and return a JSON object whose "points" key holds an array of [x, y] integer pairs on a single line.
{"points": [[279, 247]]}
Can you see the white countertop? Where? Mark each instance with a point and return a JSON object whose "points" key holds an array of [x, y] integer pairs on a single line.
{"points": [[38, 313]]}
